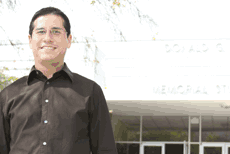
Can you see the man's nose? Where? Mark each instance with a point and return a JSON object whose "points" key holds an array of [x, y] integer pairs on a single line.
{"points": [[48, 36]]}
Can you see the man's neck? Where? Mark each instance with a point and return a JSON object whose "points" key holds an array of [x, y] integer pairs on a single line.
{"points": [[48, 69]]}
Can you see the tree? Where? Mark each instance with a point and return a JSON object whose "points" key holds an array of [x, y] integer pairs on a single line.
{"points": [[110, 11], [5, 80]]}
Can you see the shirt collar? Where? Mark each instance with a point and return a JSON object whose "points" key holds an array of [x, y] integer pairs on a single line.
{"points": [[65, 68]]}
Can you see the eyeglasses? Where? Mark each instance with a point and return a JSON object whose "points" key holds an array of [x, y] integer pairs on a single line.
{"points": [[54, 32]]}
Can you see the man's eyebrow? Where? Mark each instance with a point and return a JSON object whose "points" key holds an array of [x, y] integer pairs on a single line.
{"points": [[52, 28], [56, 28], [39, 28]]}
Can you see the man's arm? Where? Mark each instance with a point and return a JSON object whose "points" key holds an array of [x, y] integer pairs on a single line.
{"points": [[101, 133], [4, 130]]}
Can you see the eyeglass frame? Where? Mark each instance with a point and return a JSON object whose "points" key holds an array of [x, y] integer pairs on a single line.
{"points": [[53, 29]]}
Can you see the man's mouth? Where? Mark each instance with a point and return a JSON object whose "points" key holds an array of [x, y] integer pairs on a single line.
{"points": [[51, 48]]}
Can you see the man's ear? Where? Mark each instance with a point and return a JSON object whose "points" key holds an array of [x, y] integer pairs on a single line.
{"points": [[69, 40], [30, 40]]}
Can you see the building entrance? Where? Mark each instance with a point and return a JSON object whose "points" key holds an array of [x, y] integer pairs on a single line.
{"points": [[215, 148], [179, 148], [174, 149], [227, 148], [162, 148], [150, 148], [212, 148]]}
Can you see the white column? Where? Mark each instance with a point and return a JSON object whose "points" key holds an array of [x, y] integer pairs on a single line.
{"points": [[189, 133], [184, 147], [141, 148], [200, 135], [200, 131]]}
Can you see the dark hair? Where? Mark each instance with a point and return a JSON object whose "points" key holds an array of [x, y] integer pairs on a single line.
{"points": [[53, 11]]}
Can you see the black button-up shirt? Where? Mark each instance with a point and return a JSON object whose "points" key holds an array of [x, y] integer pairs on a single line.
{"points": [[66, 114]]}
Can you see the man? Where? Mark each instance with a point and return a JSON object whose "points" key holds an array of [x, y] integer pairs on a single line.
{"points": [[52, 110]]}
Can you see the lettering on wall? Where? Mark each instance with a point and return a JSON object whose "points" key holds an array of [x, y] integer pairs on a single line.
{"points": [[199, 48], [188, 89]]}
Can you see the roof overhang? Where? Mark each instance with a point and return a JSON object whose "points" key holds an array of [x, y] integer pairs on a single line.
{"points": [[170, 107]]}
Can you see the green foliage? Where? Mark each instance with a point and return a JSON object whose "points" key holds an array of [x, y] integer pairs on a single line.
{"points": [[123, 133], [6, 80], [211, 138], [115, 2], [194, 149], [92, 2], [133, 135], [165, 135], [120, 132]]}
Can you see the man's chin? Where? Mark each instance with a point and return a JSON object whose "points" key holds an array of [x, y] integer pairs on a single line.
{"points": [[47, 59]]}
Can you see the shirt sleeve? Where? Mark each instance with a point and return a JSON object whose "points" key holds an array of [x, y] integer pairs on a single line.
{"points": [[100, 128], [4, 130]]}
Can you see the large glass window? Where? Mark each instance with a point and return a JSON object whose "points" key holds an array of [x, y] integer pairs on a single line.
{"points": [[126, 128], [215, 129], [165, 128], [168, 128], [152, 149], [212, 150]]}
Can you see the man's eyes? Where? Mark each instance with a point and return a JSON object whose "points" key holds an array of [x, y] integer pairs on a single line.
{"points": [[53, 31], [56, 32]]}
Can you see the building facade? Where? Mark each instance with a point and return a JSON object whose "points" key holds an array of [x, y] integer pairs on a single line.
{"points": [[168, 128]]}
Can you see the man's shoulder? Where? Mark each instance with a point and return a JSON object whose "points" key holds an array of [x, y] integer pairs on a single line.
{"points": [[84, 84], [77, 78]]}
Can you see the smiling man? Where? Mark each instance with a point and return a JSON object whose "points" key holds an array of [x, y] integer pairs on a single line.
{"points": [[49, 41], [53, 110]]}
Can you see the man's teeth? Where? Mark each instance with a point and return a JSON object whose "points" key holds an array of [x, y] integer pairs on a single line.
{"points": [[48, 48]]}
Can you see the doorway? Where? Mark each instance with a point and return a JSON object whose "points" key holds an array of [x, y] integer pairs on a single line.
{"points": [[174, 148], [227, 148], [152, 148], [212, 148]]}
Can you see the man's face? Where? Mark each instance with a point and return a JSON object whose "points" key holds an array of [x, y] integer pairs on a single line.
{"points": [[49, 39]]}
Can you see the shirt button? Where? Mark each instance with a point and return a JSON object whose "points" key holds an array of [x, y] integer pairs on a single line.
{"points": [[37, 72], [44, 143], [45, 121], [47, 83], [46, 100]]}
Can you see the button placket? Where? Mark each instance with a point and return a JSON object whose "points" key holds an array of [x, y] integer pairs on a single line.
{"points": [[45, 121], [44, 128]]}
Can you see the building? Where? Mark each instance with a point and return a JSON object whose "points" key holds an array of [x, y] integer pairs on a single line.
{"points": [[166, 127]]}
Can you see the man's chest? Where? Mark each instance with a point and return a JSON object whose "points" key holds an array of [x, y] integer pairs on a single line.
{"points": [[53, 110]]}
